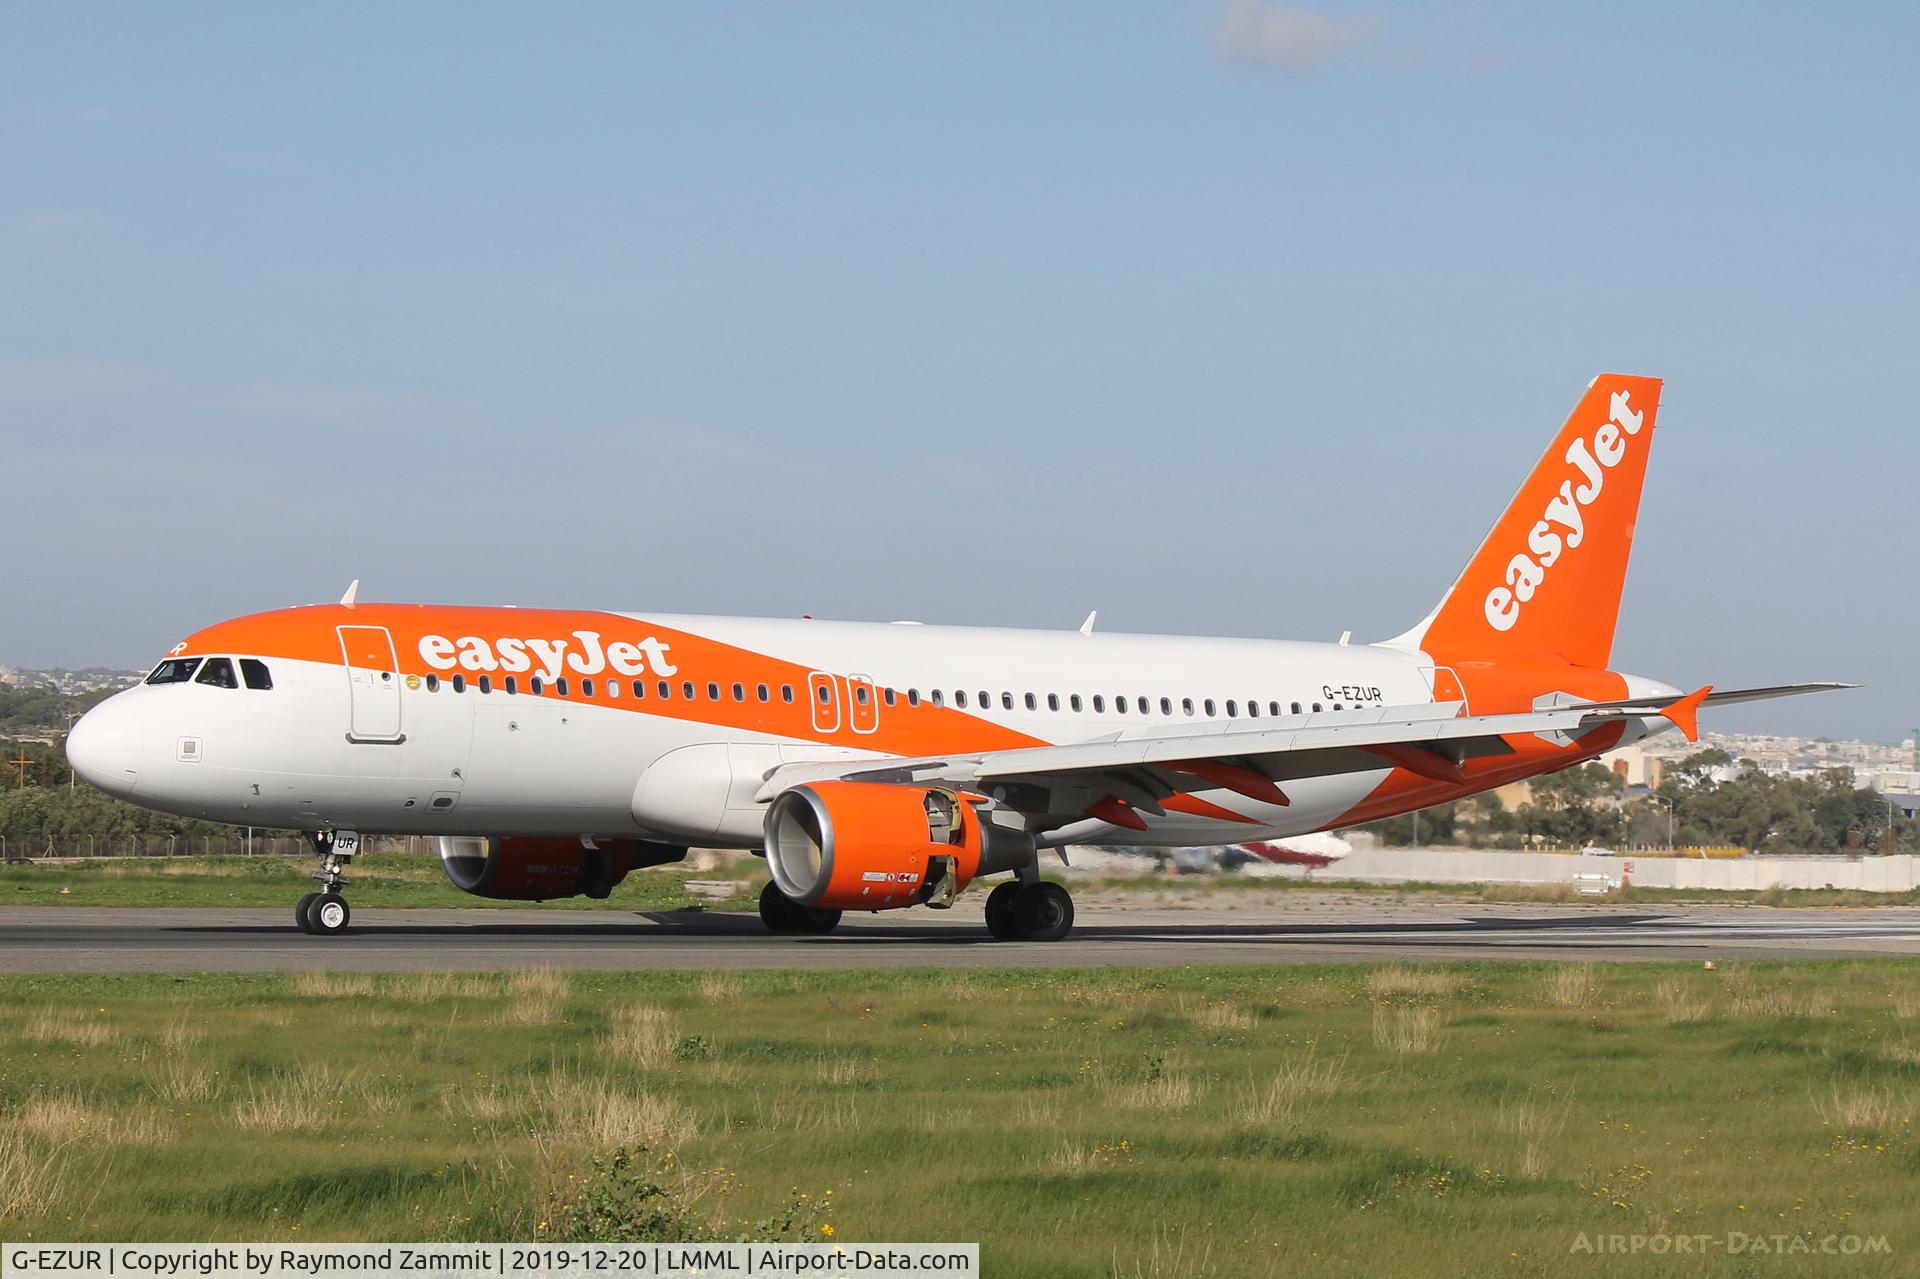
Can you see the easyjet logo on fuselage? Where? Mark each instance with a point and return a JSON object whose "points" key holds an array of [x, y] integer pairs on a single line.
{"points": [[1562, 526], [582, 653]]}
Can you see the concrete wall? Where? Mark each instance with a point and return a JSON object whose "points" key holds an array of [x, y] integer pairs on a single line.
{"points": [[1399, 865]]}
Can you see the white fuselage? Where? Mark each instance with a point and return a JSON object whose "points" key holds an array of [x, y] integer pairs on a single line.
{"points": [[473, 762]]}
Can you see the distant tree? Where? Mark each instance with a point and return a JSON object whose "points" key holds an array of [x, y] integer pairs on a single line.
{"points": [[39, 710]]}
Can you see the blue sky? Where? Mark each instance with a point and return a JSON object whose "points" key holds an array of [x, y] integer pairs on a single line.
{"points": [[1236, 317]]}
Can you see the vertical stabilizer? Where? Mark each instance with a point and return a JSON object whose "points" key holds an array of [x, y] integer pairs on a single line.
{"points": [[1545, 585]]}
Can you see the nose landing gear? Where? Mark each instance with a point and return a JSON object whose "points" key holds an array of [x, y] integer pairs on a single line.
{"points": [[325, 913]]}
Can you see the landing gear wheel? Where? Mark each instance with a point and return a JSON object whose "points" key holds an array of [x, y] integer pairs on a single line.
{"points": [[1043, 912], [300, 909], [1002, 904], [327, 914], [782, 914]]}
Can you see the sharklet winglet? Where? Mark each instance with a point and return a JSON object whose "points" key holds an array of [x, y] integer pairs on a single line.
{"points": [[1685, 713], [353, 591]]}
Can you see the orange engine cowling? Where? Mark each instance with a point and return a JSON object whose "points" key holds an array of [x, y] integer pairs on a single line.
{"points": [[879, 846], [538, 868]]}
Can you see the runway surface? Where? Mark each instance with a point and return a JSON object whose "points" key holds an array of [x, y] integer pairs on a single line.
{"points": [[1227, 928]]}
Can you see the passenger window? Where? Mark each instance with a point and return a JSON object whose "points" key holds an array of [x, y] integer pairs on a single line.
{"points": [[639, 689], [536, 685], [939, 699], [1073, 702], [1253, 709], [665, 690], [760, 691], [459, 683], [255, 672], [513, 686], [1099, 704], [1006, 701], [986, 699], [960, 700], [175, 670], [1053, 701], [1208, 707], [786, 692], [888, 696], [1296, 708], [1233, 708], [1033, 703], [686, 689], [913, 697], [586, 688], [713, 691], [560, 686], [1166, 706], [739, 692], [613, 689], [825, 694], [1141, 704], [1316, 708], [860, 692], [433, 683], [1120, 705], [1186, 706], [217, 672], [486, 683]]}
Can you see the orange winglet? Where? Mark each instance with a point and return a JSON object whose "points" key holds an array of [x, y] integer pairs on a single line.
{"points": [[1117, 812], [1241, 781], [1420, 761], [1685, 713]]}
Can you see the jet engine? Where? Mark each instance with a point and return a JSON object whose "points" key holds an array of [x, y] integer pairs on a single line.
{"points": [[526, 868], [877, 846]]}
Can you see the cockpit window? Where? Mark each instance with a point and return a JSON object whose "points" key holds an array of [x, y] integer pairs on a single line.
{"points": [[255, 672], [218, 672], [175, 670]]}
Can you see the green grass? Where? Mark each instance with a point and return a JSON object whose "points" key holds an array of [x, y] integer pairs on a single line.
{"points": [[1503, 893], [1473, 1119], [378, 879]]}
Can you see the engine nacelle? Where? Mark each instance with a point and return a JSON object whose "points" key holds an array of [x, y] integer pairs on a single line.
{"points": [[876, 846], [528, 868]]}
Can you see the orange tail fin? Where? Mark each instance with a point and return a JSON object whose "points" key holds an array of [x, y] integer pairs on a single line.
{"points": [[1544, 588]]}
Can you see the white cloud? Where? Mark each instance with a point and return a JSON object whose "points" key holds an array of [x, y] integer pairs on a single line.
{"points": [[1293, 37]]}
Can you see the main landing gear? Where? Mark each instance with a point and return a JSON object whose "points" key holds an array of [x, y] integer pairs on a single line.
{"points": [[1039, 911], [325, 913], [782, 914]]}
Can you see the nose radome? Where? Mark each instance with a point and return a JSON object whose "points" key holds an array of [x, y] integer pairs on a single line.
{"points": [[104, 746]]}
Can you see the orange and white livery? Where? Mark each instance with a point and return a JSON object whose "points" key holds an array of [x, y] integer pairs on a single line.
{"points": [[882, 766]]}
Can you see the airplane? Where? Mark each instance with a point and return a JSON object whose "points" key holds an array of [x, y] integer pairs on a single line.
{"points": [[880, 766], [1314, 851]]}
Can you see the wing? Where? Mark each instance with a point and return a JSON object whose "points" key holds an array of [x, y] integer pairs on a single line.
{"points": [[1074, 781], [1729, 696]]}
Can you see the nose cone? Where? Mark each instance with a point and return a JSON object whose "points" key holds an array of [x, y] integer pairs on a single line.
{"points": [[104, 747]]}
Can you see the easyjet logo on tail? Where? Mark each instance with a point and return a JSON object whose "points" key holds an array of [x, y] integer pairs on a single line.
{"points": [[1562, 525], [582, 653]]}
